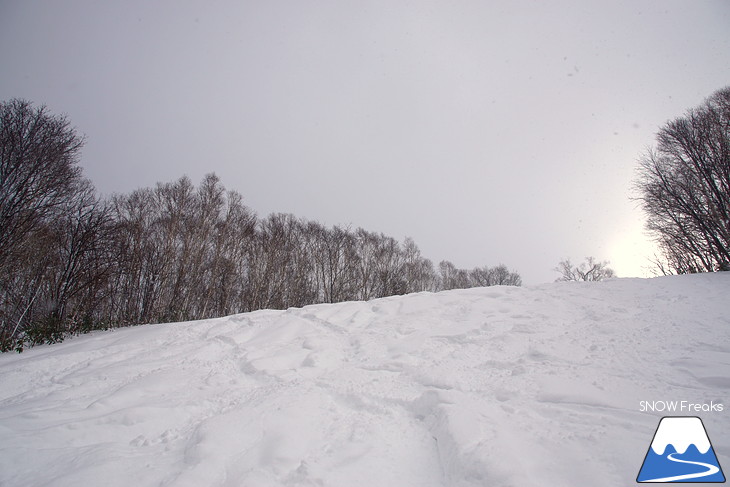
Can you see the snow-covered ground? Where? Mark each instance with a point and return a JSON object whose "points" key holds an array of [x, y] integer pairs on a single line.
{"points": [[501, 386]]}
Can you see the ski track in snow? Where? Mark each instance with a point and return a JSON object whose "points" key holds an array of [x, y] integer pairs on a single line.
{"points": [[500, 386]]}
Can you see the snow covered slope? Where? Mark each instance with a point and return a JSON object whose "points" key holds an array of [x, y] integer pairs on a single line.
{"points": [[501, 386]]}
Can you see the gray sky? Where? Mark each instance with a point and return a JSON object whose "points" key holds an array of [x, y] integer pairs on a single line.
{"points": [[489, 132]]}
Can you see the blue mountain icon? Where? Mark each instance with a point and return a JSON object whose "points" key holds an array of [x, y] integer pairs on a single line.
{"points": [[681, 452]]}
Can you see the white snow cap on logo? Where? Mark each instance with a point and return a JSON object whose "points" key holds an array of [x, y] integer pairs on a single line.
{"points": [[680, 432]]}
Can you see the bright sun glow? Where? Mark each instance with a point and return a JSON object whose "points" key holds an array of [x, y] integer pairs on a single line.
{"points": [[630, 252]]}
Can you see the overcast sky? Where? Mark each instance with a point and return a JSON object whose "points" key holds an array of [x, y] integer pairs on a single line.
{"points": [[489, 132]]}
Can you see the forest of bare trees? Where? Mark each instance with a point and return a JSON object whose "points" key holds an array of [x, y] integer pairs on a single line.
{"points": [[71, 262]]}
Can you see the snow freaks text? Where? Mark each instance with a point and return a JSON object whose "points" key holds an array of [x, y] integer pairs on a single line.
{"points": [[679, 407]]}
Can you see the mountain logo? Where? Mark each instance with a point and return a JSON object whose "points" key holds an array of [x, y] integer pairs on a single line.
{"points": [[680, 452]]}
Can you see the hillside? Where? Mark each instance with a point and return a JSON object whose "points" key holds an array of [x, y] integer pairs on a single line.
{"points": [[499, 386]]}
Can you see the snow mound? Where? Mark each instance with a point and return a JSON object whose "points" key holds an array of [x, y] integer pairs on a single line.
{"points": [[501, 386]]}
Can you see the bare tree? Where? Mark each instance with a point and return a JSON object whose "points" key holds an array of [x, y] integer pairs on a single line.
{"points": [[281, 271], [418, 272], [39, 155], [39, 176], [82, 261], [334, 252], [501, 276], [140, 263], [366, 244], [494, 276], [451, 277], [390, 272], [229, 263], [684, 188], [590, 270]]}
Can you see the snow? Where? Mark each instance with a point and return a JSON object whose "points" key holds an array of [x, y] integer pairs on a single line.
{"points": [[499, 386], [681, 432]]}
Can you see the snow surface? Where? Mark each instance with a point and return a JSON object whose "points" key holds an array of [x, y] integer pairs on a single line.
{"points": [[500, 386]]}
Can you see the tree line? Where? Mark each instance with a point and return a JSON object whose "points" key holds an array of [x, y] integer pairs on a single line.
{"points": [[71, 262]]}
